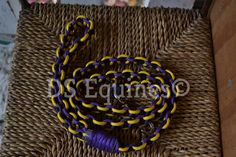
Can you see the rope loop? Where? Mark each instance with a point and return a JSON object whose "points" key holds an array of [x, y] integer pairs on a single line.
{"points": [[91, 119]]}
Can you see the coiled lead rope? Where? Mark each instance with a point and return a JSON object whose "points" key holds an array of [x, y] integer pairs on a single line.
{"points": [[78, 113]]}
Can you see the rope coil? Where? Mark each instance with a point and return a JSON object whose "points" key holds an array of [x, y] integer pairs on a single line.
{"points": [[78, 114]]}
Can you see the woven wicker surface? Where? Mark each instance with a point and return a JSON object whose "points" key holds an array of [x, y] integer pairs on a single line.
{"points": [[179, 39]]}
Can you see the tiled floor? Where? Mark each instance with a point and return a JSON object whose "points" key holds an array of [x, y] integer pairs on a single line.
{"points": [[5, 66], [7, 26]]}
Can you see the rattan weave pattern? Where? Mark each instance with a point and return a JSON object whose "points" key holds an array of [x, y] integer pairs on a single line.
{"points": [[179, 39]]}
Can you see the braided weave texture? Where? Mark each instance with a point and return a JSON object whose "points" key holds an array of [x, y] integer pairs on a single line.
{"points": [[81, 114], [179, 39]]}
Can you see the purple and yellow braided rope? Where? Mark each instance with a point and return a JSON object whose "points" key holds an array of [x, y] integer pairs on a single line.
{"points": [[71, 111]]}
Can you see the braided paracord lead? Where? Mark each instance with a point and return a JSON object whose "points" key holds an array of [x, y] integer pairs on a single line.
{"points": [[72, 111]]}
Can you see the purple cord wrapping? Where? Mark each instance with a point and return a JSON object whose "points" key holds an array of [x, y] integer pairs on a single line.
{"points": [[102, 141]]}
